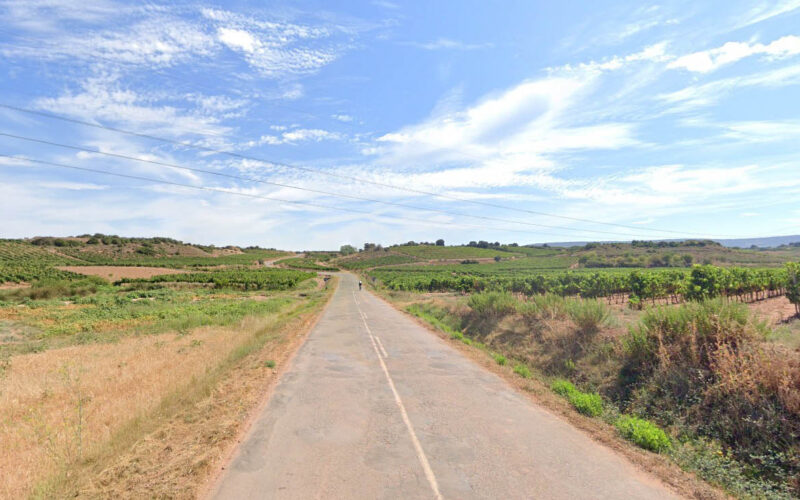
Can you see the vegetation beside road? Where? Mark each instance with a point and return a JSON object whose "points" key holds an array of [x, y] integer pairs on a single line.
{"points": [[704, 372], [671, 358], [87, 365]]}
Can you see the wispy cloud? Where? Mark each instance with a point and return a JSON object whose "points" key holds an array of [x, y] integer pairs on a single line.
{"points": [[448, 44], [706, 61], [765, 11]]}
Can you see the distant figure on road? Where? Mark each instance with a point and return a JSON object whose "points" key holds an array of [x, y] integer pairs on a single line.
{"points": [[359, 284]]}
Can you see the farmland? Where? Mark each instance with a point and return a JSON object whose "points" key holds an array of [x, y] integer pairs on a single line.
{"points": [[87, 350]]}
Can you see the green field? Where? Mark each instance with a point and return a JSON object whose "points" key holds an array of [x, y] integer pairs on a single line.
{"points": [[432, 252], [305, 263], [59, 307]]}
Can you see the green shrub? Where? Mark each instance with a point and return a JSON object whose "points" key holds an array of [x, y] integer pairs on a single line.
{"points": [[643, 433], [687, 337], [500, 359], [793, 285], [269, 363], [542, 306], [457, 336], [588, 314], [587, 404], [466, 340], [563, 387], [522, 370], [492, 304]]}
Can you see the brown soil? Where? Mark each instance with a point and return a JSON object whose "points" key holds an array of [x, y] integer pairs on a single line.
{"points": [[114, 273], [775, 311], [13, 286]]}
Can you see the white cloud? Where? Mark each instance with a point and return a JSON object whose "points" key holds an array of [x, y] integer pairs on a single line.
{"points": [[298, 135], [695, 96], [276, 48], [157, 40], [709, 60], [105, 100], [342, 118], [448, 44], [514, 129], [766, 10], [238, 39], [656, 53], [74, 186]]}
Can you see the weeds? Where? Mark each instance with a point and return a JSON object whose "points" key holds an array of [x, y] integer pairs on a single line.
{"points": [[589, 404], [500, 359], [492, 304], [522, 370], [269, 363], [643, 434], [589, 315]]}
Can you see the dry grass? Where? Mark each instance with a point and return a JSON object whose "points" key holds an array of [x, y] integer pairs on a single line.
{"points": [[114, 273], [59, 407], [158, 413], [56, 405]]}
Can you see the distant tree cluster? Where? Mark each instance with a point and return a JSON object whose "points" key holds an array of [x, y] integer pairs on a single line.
{"points": [[629, 260], [347, 249], [674, 244], [483, 244]]}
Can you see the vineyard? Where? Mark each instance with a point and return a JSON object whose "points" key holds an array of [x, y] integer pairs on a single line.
{"points": [[377, 261], [304, 263], [245, 279], [641, 285]]}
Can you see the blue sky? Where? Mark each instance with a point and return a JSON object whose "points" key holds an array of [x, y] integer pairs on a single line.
{"points": [[640, 120]]}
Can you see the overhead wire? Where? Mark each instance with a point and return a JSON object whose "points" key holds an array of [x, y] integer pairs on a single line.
{"points": [[335, 175], [269, 198], [300, 188]]}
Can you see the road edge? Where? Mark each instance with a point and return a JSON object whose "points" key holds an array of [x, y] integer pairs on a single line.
{"points": [[660, 468], [217, 472]]}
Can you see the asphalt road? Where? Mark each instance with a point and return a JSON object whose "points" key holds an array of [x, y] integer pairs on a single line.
{"points": [[375, 406]]}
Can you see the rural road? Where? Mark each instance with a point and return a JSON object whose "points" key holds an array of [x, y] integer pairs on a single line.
{"points": [[375, 406]]}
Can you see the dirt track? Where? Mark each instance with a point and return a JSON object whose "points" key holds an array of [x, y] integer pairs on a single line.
{"points": [[114, 273], [375, 406]]}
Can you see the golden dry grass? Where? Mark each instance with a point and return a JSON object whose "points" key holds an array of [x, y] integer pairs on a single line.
{"points": [[57, 404]]}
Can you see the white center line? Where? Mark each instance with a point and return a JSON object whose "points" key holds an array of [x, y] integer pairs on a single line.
{"points": [[426, 466], [380, 344]]}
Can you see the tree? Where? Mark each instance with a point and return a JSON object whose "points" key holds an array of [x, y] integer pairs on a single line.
{"points": [[793, 285], [347, 249], [440, 242]]}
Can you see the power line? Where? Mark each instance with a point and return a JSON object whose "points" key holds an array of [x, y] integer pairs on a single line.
{"points": [[269, 198], [334, 175], [328, 193]]}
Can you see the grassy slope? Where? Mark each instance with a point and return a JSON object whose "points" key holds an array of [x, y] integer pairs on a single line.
{"points": [[430, 252], [173, 448], [161, 334], [550, 339]]}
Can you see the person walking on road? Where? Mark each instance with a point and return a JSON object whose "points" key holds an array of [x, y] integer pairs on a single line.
{"points": [[359, 284]]}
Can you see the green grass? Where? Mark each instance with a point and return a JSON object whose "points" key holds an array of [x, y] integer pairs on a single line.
{"points": [[374, 259], [643, 433], [499, 359], [431, 252], [305, 263], [522, 370], [588, 404], [269, 363]]}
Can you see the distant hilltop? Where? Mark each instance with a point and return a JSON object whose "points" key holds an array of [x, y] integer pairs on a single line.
{"points": [[769, 242]]}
